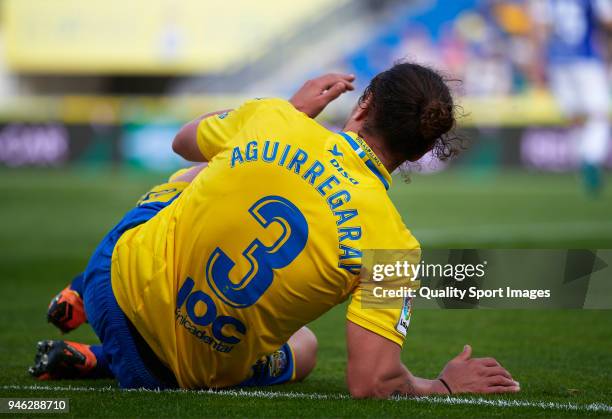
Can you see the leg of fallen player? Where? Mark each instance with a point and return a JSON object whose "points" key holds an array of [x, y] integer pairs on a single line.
{"points": [[292, 362], [303, 343], [66, 310], [61, 359]]}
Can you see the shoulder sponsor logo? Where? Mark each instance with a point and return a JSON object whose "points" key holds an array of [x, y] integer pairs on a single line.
{"points": [[404, 319], [334, 150]]}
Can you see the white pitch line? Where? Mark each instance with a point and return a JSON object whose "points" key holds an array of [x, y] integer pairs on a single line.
{"points": [[261, 394]]}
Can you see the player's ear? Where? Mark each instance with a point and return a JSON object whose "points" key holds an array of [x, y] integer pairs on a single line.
{"points": [[360, 113]]}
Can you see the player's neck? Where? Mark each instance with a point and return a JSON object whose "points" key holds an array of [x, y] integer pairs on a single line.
{"points": [[377, 146], [381, 152]]}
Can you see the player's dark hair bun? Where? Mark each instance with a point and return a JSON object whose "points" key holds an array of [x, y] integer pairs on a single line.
{"points": [[436, 119], [412, 109]]}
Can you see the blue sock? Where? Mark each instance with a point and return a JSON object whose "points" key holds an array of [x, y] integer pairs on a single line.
{"points": [[77, 284], [102, 369], [276, 368]]}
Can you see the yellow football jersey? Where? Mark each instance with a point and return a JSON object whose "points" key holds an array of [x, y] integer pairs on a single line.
{"points": [[263, 241]]}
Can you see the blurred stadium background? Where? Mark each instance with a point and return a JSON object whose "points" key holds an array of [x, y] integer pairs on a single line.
{"points": [[109, 81], [100, 87], [92, 93]]}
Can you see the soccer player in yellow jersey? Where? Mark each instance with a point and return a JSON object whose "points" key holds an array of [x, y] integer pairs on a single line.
{"points": [[210, 281]]}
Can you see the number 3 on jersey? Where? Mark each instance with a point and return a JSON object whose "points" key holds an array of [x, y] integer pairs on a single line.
{"points": [[263, 259]]}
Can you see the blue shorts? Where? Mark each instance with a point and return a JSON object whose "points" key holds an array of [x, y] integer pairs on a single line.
{"points": [[116, 333], [131, 361]]}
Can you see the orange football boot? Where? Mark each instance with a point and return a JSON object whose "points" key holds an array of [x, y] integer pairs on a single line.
{"points": [[66, 310], [59, 359]]}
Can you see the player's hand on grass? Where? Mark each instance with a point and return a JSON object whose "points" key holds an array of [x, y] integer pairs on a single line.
{"points": [[316, 94], [464, 374]]}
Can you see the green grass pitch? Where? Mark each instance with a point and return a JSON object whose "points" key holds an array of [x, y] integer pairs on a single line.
{"points": [[51, 220]]}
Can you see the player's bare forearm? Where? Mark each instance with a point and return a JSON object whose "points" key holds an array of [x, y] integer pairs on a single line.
{"points": [[417, 386], [317, 93], [185, 142], [190, 174], [398, 382], [311, 99], [375, 371]]}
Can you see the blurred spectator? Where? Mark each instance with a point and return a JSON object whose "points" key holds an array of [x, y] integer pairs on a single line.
{"points": [[566, 35]]}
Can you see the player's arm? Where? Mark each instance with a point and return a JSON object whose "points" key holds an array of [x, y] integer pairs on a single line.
{"points": [[317, 93], [202, 138], [375, 370], [185, 143]]}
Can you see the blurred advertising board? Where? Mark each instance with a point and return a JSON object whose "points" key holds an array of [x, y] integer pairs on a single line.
{"points": [[137, 131], [57, 144], [147, 146]]}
